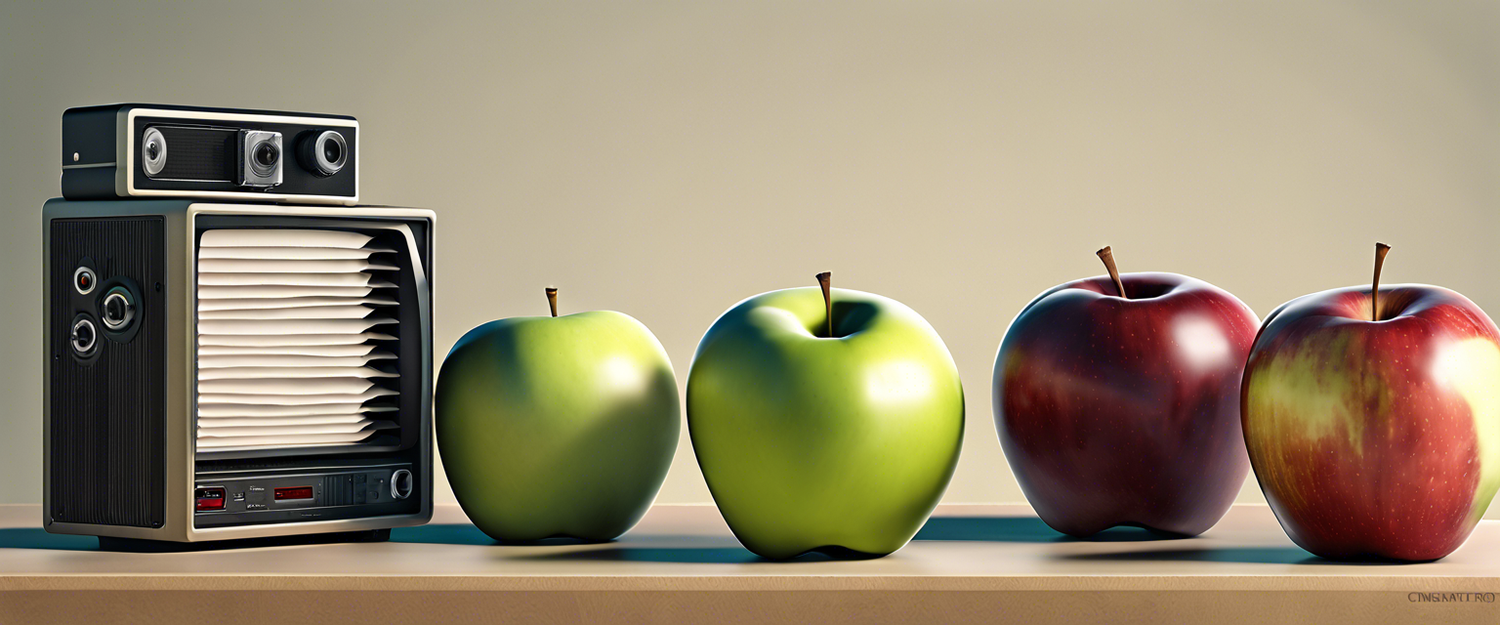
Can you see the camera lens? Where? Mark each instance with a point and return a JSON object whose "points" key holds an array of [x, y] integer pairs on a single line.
{"points": [[153, 151], [259, 157], [264, 158], [323, 154], [266, 154]]}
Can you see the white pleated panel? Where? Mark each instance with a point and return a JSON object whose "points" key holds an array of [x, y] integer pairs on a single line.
{"points": [[291, 253], [250, 306], [290, 360], [289, 325], [280, 291]]}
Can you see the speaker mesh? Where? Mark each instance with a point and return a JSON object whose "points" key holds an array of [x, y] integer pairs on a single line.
{"points": [[199, 154]]}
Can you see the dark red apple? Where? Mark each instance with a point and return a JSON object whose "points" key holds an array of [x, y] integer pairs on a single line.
{"points": [[1125, 410], [1373, 421]]}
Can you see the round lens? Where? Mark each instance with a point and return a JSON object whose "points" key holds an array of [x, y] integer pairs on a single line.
{"points": [[331, 151], [266, 154], [323, 154], [153, 151]]}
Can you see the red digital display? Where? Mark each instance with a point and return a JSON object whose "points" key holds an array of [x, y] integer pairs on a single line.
{"points": [[294, 492]]}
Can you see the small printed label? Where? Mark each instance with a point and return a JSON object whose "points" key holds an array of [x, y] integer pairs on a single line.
{"points": [[1450, 597]]}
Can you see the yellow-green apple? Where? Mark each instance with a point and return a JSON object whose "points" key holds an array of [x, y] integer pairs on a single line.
{"points": [[1372, 416], [827, 423], [1117, 402], [557, 426]]}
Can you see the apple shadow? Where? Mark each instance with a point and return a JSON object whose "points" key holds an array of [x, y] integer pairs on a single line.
{"points": [[1025, 529], [1360, 561], [38, 538], [676, 555], [442, 534], [693, 555], [468, 534], [1246, 555], [1126, 534]]}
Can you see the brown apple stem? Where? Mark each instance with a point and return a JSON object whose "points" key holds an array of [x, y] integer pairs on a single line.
{"points": [[1108, 256], [1380, 252], [552, 299], [825, 280]]}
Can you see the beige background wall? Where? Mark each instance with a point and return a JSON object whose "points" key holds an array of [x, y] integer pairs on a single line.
{"points": [[669, 159]]}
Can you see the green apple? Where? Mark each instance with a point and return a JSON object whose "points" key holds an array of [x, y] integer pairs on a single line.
{"points": [[827, 423], [557, 426]]}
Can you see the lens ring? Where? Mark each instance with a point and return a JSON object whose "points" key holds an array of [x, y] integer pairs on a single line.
{"points": [[324, 154], [153, 151], [84, 280], [84, 338], [266, 153], [401, 484], [117, 310], [264, 156]]}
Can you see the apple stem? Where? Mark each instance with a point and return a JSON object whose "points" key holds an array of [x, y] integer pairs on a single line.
{"points": [[1108, 256], [1380, 251], [552, 299], [825, 280]]}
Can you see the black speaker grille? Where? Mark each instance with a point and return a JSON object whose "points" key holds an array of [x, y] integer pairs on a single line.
{"points": [[202, 154], [108, 426]]}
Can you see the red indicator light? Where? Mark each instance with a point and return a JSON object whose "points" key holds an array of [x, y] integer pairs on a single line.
{"points": [[295, 492], [209, 499]]}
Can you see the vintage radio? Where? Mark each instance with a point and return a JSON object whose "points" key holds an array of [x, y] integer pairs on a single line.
{"points": [[150, 150], [223, 371]]}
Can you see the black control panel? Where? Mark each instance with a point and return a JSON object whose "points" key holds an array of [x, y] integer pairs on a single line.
{"points": [[240, 499]]}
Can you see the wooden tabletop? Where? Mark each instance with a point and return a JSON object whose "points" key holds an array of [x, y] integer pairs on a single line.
{"points": [[990, 563]]}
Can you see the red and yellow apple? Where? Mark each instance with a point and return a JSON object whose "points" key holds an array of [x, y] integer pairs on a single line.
{"points": [[1372, 417]]}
